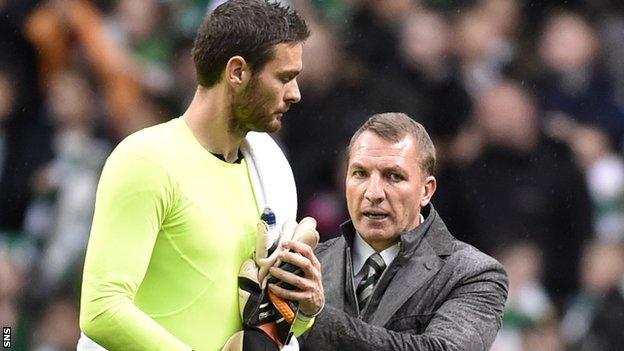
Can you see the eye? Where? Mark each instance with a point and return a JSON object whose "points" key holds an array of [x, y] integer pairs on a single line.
{"points": [[358, 173], [395, 177], [286, 78]]}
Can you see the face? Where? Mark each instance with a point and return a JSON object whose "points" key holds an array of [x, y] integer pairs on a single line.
{"points": [[507, 116], [385, 188], [568, 44], [269, 93], [69, 98]]}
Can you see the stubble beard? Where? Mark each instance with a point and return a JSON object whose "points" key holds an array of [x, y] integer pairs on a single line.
{"points": [[249, 111]]}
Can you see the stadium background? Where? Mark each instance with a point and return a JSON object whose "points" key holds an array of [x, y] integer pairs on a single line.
{"points": [[524, 100]]}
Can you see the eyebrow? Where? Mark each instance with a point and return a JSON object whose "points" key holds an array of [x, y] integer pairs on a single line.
{"points": [[396, 169], [289, 72], [355, 164]]}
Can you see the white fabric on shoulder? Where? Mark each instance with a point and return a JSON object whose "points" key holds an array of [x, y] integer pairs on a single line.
{"points": [[271, 176]]}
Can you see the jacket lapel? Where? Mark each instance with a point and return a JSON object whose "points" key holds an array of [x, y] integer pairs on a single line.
{"points": [[411, 276], [333, 270], [414, 269]]}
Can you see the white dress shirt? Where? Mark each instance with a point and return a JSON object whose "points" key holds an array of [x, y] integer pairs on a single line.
{"points": [[362, 251]]}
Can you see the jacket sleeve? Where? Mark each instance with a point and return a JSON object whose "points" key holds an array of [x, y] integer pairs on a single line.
{"points": [[132, 201], [468, 319]]}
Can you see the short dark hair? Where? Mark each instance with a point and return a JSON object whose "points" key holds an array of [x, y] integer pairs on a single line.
{"points": [[249, 28], [394, 126]]}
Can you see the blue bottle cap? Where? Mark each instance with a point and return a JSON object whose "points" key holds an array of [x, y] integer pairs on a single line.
{"points": [[268, 216]]}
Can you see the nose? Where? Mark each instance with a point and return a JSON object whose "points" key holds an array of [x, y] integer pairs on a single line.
{"points": [[374, 190], [293, 95]]}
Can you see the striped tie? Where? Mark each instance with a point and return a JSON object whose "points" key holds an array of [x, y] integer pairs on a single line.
{"points": [[375, 265]]}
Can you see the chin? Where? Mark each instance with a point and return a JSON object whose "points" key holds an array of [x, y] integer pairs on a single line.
{"points": [[276, 125], [272, 128], [374, 234]]}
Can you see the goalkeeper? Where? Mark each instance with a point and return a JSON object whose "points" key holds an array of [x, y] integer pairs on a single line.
{"points": [[178, 204]]}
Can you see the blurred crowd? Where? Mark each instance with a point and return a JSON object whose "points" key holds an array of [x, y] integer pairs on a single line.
{"points": [[524, 100]]}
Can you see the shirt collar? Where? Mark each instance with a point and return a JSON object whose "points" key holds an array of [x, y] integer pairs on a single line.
{"points": [[362, 251]]}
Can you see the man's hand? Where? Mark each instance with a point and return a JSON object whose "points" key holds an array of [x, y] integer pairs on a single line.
{"points": [[309, 293], [267, 319]]}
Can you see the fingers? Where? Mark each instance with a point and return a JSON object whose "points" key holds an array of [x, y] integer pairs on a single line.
{"points": [[310, 293], [291, 295], [304, 259], [304, 250], [297, 260], [300, 283], [310, 301]]}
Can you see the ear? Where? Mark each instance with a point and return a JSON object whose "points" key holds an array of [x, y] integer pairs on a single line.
{"points": [[430, 185], [237, 72]]}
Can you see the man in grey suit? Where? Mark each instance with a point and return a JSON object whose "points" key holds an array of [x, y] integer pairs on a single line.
{"points": [[397, 279]]}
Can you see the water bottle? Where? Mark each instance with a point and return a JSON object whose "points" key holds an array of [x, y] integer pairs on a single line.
{"points": [[269, 218]]}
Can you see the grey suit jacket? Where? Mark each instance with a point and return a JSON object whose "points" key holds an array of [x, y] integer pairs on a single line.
{"points": [[438, 294]]}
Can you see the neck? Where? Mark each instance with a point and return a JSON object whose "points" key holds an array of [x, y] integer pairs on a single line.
{"points": [[208, 118], [380, 246]]}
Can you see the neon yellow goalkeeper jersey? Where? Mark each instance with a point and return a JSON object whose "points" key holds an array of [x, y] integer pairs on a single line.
{"points": [[173, 225]]}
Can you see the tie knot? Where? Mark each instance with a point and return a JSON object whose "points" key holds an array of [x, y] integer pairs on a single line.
{"points": [[376, 263]]}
